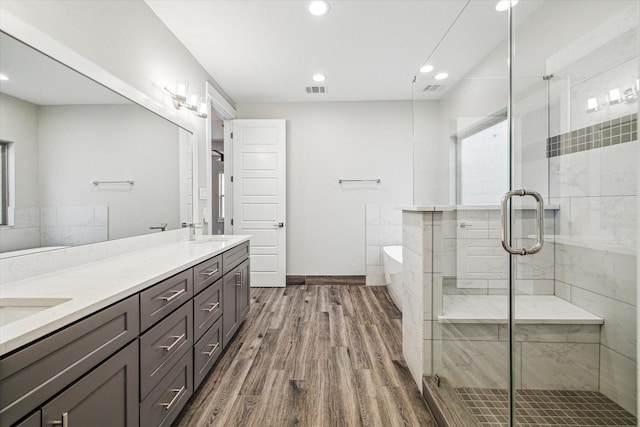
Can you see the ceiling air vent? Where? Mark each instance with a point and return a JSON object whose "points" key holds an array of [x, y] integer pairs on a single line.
{"points": [[432, 88], [316, 89]]}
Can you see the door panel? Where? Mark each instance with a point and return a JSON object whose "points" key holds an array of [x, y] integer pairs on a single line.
{"points": [[259, 202]]}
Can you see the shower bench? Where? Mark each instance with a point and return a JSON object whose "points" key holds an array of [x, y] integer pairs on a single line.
{"points": [[557, 343]]}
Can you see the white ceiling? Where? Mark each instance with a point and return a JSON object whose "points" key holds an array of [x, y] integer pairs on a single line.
{"points": [[268, 51], [40, 80]]}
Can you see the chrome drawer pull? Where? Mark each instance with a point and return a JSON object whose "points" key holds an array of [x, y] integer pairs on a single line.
{"points": [[210, 273], [213, 350], [238, 278], [174, 296], [213, 305], [178, 392], [170, 347], [64, 422]]}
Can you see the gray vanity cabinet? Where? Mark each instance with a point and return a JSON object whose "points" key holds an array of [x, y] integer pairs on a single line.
{"points": [[235, 300], [34, 374], [106, 397]]}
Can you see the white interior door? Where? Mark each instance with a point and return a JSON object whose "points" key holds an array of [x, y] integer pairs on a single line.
{"points": [[259, 196]]}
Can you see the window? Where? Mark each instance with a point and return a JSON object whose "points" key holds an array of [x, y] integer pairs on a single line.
{"points": [[483, 167], [4, 182]]}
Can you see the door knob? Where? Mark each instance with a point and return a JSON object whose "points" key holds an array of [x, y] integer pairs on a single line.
{"points": [[279, 225]]}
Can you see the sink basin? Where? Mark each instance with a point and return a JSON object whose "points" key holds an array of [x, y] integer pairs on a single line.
{"points": [[214, 238], [14, 309]]}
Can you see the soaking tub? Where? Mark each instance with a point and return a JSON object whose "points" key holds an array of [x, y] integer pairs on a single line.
{"points": [[392, 262]]}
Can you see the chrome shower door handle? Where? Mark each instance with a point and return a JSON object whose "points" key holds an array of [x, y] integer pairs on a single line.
{"points": [[539, 221]]}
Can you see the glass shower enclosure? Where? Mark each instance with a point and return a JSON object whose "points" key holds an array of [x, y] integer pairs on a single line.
{"points": [[534, 274]]}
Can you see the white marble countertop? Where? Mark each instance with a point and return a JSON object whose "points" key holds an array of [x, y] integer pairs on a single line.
{"points": [[534, 309], [95, 285]]}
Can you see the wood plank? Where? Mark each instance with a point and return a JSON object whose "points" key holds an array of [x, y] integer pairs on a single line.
{"points": [[328, 361]]}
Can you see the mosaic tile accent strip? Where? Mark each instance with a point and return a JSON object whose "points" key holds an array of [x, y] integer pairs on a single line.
{"points": [[545, 407], [612, 132]]}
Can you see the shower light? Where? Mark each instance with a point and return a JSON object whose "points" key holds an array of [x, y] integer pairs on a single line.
{"points": [[319, 78], [614, 96], [318, 8], [426, 68], [441, 76], [503, 5], [592, 105]]}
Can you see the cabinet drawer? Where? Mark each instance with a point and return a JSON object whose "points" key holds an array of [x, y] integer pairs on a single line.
{"points": [[34, 374], [207, 308], [106, 397], [164, 403], [161, 299], [32, 421], [206, 273], [162, 346], [233, 257], [206, 352]]}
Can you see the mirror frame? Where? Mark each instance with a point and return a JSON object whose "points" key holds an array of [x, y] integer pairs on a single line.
{"points": [[46, 45]]}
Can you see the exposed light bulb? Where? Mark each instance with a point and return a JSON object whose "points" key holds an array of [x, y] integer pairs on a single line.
{"points": [[615, 97], [426, 68], [592, 105], [318, 8], [503, 5], [441, 76], [319, 78], [182, 89]]}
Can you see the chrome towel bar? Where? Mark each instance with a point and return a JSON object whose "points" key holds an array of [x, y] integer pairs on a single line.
{"points": [[127, 181], [377, 181]]}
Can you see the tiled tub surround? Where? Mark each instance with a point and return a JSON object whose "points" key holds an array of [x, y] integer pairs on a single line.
{"points": [[86, 288], [612, 132], [383, 228], [55, 226]]}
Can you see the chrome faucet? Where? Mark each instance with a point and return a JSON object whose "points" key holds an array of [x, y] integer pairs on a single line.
{"points": [[192, 229], [161, 227]]}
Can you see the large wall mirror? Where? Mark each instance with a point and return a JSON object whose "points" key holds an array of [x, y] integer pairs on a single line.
{"points": [[80, 163]]}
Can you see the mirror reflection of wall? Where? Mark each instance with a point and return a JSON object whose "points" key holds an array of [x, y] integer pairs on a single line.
{"points": [[217, 171], [62, 131]]}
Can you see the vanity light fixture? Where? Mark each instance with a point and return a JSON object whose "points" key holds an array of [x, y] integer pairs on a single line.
{"points": [[592, 105], [4, 77], [319, 77], [441, 76], [183, 99], [426, 68], [503, 5], [319, 7]]}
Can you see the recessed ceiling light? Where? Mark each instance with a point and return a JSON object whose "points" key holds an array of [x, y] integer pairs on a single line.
{"points": [[504, 5], [319, 78], [3, 77], [318, 8], [426, 68], [441, 76]]}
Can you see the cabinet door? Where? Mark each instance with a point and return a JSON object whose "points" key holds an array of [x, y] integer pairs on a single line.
{"points": [[243, 291], [229, 306], [107, 396]]}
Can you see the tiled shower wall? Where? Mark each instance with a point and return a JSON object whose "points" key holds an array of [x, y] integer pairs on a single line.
{"points": [[595, 252], [383, 228]]}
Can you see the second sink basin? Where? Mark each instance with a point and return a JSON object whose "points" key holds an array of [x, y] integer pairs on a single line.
{"points": [[14, 309]]}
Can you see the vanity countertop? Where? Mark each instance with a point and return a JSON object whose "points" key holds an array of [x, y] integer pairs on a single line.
{"points": [[84, 289]]}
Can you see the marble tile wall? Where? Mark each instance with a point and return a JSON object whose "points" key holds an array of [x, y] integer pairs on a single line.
{"points": [[604, 282], [383, 228], [74, 225], [25, 233], [417, 289]]}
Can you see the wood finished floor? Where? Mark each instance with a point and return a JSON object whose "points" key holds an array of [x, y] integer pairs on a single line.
{"points": [[312, 355]]}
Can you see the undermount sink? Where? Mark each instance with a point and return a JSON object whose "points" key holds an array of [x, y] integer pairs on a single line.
{"points": [[14, 309], [213, 238]]}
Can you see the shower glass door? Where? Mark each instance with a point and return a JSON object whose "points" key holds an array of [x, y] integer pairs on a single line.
{"points": [[573, 117], [547, 103]]}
